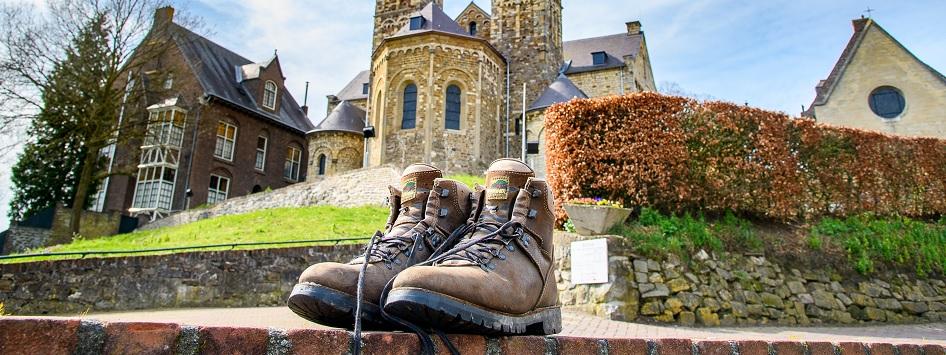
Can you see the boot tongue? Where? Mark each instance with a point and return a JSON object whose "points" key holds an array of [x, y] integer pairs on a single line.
{"points": [[416, 184], [504, 179]]}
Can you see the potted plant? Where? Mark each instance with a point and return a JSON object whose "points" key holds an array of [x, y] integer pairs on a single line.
{"points": [[595, 216]]}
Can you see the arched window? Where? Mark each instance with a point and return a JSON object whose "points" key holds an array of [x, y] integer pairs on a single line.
{"points": [[473, 29], [409, 114], [269, 95], [322, 164], [453, 108]]}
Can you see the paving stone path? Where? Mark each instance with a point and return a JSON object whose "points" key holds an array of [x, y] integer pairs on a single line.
{"points": [[575, 324]]}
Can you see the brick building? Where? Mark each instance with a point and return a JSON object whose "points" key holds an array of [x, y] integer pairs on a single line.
{"points": [[879, 85], [452, 91], [220, 126]]}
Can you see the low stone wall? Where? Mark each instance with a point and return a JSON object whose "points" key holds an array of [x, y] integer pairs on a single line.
{"points": [[726, 289], [20, 239], [70, 336], [352, 189], [241, 278]]}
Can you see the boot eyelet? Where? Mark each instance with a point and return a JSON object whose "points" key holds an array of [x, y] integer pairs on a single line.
{"points": [[445, 193], [536, 193], [491, 266], [502, 256], [444, 212], [484, 267], [533, 214], [510, 247]]}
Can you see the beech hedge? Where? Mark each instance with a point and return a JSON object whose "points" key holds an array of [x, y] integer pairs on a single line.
{"points": [[676, 154]]}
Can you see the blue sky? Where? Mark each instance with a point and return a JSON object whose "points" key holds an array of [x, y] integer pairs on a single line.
{"points": [[770, 54]]}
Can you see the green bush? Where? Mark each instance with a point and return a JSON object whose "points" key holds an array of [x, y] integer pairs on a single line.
{"points": [[867, 240]]}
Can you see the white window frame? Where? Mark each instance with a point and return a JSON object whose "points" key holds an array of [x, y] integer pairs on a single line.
{"points": [[293, 163], [270, 92], [225, 146], [158, 168], [261, 153], [215, 194]]}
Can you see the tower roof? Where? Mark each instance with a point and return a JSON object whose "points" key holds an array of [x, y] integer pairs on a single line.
{"points": [[435, 20], [344, 118], [561, 90]]}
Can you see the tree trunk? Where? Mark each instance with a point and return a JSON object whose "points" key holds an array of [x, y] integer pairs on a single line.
{"points": [[82, 190]]}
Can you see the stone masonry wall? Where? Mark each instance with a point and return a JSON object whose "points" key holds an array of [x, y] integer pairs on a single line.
{"points": [[728, 290], [241, 278], [21, 239], [340, 190]]}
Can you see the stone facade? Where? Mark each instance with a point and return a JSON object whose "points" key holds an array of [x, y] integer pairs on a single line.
{"points": [[94, 225], [391, 15], [20, 239], [256, 278], [433, 62], [337, 190], [344, 151], [875, 59], [475, 16], [728, 290]]}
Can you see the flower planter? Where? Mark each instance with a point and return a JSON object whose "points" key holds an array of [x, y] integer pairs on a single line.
{"points": [[595, 220]]}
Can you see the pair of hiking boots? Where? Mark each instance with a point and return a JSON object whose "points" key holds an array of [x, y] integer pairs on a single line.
{"points": [[452, 259]]}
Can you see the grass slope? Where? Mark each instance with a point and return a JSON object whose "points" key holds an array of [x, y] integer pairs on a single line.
{"points": [[275, 225]]}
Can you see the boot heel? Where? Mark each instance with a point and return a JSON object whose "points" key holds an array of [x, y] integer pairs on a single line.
{"points": [[550, 322]]}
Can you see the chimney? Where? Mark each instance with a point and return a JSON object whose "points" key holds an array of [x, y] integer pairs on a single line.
{"points": [[634, 28], [163, 16]]}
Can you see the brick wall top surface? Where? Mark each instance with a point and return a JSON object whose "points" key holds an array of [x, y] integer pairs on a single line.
{"points": [[22, 335]]}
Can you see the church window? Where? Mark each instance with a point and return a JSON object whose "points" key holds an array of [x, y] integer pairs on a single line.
{"points": [[322, 164], [453, 108], [887, 102], [473, 29], [599, 58], [409, 111], [417, 23], [269, 95]]}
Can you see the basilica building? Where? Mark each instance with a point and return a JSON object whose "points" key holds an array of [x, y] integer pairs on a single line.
{"points": [[455, 91]]}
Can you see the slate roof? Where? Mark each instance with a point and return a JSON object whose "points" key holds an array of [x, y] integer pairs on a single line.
{"points": [[219, 72], [561, 90], [346, 117], [355, 88], [826, 87], [435, 21], [617, 47]]}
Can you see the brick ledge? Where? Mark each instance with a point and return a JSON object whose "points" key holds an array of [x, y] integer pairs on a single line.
{"points": [[27, 335]]}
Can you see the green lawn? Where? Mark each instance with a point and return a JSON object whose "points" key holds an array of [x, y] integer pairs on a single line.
{"points": [[469, 180], [284, 224]]}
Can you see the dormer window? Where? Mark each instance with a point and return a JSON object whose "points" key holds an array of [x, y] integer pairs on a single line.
{"points": [[417, 23], [472, 28], [269, 95], [364, 89], [599, 58]]}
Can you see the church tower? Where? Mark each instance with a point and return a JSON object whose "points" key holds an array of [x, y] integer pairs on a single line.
{"points": [[391, 15], [529, 34]]}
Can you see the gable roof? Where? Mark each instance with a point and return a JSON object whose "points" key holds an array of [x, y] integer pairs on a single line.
{"points": [[617, 47], [220, 73], [354, 90], [435, 20], [346, 117], [472, 6], [826, 87], [561, 90]]}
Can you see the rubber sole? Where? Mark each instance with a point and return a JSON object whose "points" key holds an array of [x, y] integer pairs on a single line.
{"points": [[446, 313], [327, 306]]}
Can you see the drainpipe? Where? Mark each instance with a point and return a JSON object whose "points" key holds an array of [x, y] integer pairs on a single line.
{"points": [[523, 122], [203, 101], [508, 99]]}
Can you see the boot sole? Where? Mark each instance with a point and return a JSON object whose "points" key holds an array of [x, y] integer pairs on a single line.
{"points": [[443, 312], [327, 306]]}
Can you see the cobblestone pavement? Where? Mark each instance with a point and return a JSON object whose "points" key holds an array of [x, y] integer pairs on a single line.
{"points": [[575, 324]]}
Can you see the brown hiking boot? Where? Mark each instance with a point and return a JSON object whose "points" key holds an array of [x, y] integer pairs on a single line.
{"points": [[500, 277], [423, 214]]}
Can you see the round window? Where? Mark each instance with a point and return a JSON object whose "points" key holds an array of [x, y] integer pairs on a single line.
{"points": [[887, 102]]}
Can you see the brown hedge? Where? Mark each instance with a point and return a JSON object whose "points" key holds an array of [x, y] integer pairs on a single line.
{"points": [[677, 154]]}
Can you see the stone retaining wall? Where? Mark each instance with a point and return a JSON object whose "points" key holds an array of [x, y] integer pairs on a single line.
{"points": [[20, 239], [242, 278], [352, 189], [726, 289], [67, 336]]}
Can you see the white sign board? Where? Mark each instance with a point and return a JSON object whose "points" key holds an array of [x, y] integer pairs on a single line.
{"points": [[590, 262]]}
